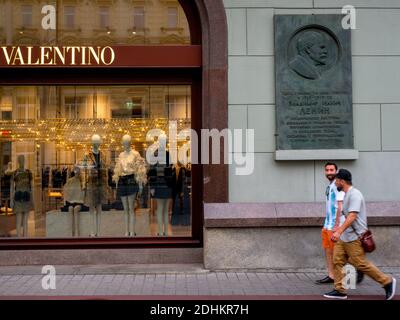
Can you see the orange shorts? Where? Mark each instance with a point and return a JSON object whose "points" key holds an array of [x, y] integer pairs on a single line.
{"points": [[327, 243]]}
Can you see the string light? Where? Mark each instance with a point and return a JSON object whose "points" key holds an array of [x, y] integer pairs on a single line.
{"points": [[74, 133]]}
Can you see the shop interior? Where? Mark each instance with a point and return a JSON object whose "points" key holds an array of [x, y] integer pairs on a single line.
{"points": [[59, 143]]}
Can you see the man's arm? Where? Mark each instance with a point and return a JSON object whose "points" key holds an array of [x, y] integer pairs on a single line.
{"points": [[347, 223], [338, 213]]}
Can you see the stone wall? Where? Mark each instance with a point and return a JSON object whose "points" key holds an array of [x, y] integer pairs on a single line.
{"points": [[286, 236], [376, 100], [285, 248]]}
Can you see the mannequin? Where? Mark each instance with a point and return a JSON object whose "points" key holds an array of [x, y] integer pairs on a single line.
{"points": [[74, 196], [96, 183], [6, 186], [178, 182], [21, 196], [9, 167], [160, 184], [129, 172]]}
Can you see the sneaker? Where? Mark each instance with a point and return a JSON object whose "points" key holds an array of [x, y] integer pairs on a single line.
{"points": [[390, 289], [325, 280], [360, 276], [334, 294]]}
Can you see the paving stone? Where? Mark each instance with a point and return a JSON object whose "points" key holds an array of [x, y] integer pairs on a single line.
{"points": [[201, 283]]}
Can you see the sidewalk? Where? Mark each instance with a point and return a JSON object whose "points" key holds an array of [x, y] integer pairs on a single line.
{"points": [[174, 282]]}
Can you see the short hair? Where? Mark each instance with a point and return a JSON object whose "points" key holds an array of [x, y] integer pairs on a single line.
{"points": [[345, 175], [307, 40], [331, 164]]}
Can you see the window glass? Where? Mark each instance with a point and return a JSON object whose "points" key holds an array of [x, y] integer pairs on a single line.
{"points": [[68, 168]]}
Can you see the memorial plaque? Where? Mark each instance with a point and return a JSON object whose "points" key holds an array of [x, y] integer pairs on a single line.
{"points": [[313, 83]]}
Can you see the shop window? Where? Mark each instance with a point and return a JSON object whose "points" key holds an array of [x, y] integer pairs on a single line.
{"points": [[54, 136], [51, 130]]}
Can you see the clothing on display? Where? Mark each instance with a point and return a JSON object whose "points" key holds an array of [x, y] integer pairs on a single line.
{"points": [[127, 186], [160, 180], [87, 148], [130, 163], [96, 180], [144, 198], [73, 192], [57, 178], [5, 186], [111, 183], [46, 177], [68, 204], [22, 190], [129, 172], [181, 196]]}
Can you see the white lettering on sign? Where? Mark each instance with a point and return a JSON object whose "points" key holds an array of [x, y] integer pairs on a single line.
{"points": [[53, 56]]}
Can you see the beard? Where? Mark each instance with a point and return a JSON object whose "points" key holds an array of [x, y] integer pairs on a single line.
{"points": [[339, 188], [330, 177]]}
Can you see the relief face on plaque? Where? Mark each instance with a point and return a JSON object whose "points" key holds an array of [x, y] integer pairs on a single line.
{"points": [[314, 107], [312, 52]]}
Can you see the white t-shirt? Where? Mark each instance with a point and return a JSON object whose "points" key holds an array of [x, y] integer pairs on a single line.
{"points": [[332, 197]]}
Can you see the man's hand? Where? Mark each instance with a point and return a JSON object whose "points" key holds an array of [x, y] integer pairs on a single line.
{"points": [[335, 227], [336, 235], [347, 223]]}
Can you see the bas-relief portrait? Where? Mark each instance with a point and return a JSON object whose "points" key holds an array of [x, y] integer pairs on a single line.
{"points": [[313, 83], [312, 54]]}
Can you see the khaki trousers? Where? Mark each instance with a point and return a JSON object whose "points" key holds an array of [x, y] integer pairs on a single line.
{"points": [[354, 252]]}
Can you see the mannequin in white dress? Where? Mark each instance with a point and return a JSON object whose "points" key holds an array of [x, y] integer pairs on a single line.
{"points": [[129, 175]]}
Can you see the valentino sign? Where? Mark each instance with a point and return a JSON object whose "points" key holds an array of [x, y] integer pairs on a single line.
{"points": [[57, 56], [101, 56]]}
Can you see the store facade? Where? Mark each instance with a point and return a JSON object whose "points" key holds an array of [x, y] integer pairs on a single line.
{"points": [[130, 71]]}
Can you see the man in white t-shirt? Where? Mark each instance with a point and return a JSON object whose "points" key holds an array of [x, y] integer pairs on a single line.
{"points": [[334, 200]]}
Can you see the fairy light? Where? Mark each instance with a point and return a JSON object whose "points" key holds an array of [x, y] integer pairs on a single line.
{"points": [[73, 134]]}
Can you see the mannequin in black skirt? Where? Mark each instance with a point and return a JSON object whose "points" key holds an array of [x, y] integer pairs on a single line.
{"points": [[129, 172]]}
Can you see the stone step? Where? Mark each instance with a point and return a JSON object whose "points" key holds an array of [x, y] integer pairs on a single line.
{"points": [[181, 268], [102, 256]]}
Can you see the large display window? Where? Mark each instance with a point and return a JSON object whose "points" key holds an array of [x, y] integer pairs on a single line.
{"points": [[74, 137], [74, 161]]}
